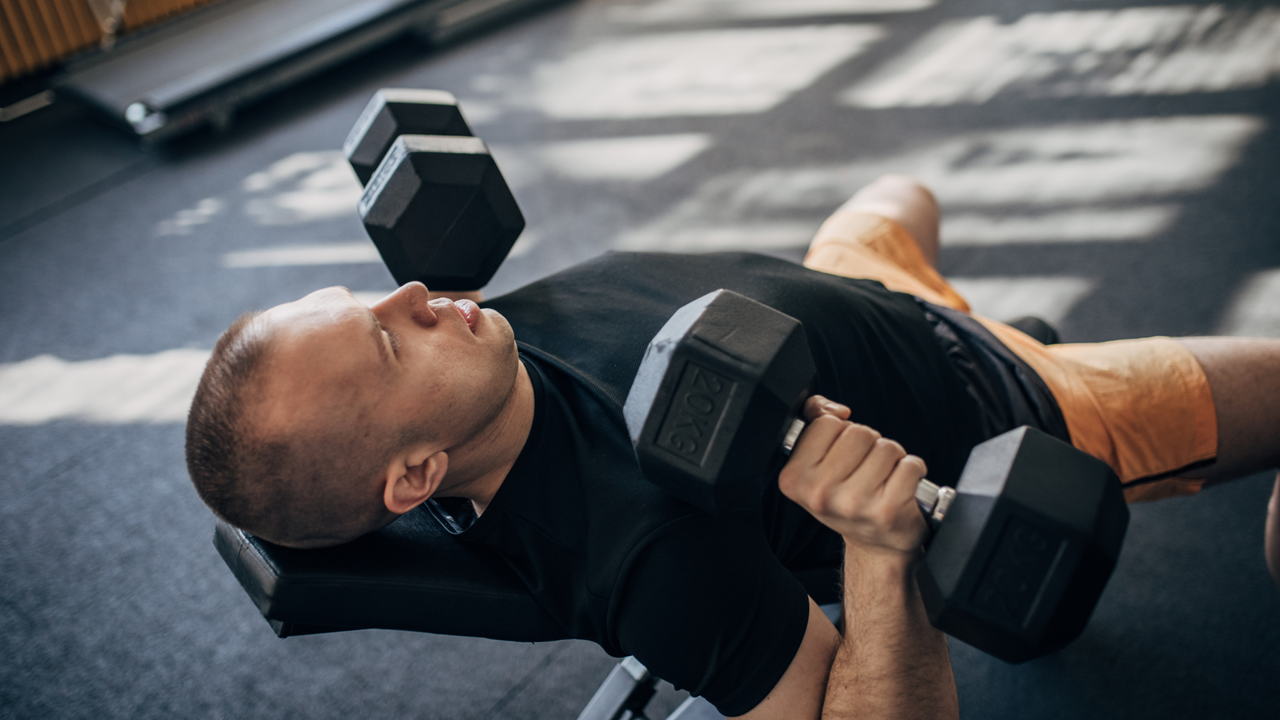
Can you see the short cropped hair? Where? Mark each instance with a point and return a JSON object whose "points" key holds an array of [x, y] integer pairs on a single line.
{"points": [[298, 491]]}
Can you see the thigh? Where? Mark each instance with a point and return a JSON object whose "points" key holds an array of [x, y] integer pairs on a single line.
{"points": [[1143, 406]]}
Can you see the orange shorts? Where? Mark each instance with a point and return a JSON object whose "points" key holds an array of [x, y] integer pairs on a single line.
{"points": [[1143, 406]]}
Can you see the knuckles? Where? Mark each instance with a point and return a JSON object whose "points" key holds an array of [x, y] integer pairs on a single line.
{"points": [[861, 434], [824, 420], [915, 464], [789, 480], [890, 448]]}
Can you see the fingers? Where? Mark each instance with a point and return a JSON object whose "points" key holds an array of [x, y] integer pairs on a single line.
{"points": [[905, 478], [858, 483], [839, 443], [834, 459], [872, 483], [818, 405]]}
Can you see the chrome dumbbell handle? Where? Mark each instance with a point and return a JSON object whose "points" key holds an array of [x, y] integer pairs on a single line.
{"points": [[932, 499]]}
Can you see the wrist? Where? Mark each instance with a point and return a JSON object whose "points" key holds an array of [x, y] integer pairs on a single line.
{"points": [[878, 561]]}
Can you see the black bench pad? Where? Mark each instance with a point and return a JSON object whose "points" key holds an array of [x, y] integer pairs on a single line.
{"points": [[411, 575]]}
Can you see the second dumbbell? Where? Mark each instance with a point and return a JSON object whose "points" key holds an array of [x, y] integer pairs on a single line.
{"points": [[436, 205]]}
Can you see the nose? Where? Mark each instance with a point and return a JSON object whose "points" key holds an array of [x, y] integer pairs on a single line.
{"points": [[408, 302]]}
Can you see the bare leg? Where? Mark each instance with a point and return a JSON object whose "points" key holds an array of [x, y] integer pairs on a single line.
{"points": [[1244, 377], [904, 200], [1273, 532]]}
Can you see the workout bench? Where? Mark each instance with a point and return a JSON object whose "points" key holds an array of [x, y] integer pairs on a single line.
{"points": [[413, 575]]}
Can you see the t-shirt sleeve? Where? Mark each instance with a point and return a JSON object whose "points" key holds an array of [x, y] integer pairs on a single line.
{"points": [[706, 606]]}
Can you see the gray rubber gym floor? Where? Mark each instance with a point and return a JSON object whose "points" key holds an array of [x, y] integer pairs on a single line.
{"points": [[1108, 166]]}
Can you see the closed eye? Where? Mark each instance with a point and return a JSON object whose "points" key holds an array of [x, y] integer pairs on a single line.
{"points": [[392, 339]]}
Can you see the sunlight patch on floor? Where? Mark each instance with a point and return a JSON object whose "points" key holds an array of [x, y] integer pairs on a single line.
{"points": [[712, 72], [352, 253], [1255, 312], [1049, 298], [1096, 53], [118, 389]]}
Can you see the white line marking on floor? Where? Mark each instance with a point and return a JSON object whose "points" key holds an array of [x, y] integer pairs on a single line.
{"points": [[352, 253], [1255, 312], [1050, 298], [118, 389], [1133, 51], [715, 72]]}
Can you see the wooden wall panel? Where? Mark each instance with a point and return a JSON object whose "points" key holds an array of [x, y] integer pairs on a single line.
{"points": [[34, 34]]}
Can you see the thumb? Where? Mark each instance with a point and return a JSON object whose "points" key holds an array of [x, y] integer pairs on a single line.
{"points": [[818, 405]]}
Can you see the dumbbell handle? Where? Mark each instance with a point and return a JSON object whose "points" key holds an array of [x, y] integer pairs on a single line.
{"points": [[933, 499]]}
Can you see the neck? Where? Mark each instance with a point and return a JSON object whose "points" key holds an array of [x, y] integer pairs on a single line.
{"points": [[485, 461]]}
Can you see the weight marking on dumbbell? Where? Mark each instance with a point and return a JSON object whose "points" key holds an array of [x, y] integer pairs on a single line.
{"points": [[1014, 579], [382, 175], [696, 408]]}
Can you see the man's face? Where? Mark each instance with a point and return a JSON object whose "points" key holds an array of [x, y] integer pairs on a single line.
{"points": [[407, 362]]}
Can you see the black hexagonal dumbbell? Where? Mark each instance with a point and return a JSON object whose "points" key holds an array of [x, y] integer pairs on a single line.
{"points": [[435, 203], [393, 112], [1020, 550]]}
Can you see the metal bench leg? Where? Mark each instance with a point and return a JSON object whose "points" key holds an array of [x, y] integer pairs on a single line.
{"points": [[623, 695]]}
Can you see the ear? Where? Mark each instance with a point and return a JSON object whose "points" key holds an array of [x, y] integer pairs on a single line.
{"points": [[413, 478]]}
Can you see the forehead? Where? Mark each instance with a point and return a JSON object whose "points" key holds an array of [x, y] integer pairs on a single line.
{"points": [[321, 351], [317, 312]]}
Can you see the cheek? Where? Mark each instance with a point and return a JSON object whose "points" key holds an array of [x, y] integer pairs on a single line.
{"points": [[365, 411], [421, 388]]}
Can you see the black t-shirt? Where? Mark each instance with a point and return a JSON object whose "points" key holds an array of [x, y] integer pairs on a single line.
{"points": [[709, 604]]}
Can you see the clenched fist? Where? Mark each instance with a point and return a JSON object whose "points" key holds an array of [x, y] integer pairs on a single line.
{"points": [[855, 482]]}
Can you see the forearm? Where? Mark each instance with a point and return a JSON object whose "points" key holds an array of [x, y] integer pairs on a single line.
{"points": [[891, 663]]}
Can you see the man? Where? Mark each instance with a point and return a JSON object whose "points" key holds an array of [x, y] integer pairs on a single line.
{"points": [[320, 420]]}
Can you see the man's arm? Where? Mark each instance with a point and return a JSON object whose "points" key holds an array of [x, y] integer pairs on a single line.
{"points": [[890, 662], [799, 692]]}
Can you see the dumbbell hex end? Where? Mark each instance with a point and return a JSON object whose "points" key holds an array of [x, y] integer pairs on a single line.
{"points": [[440, 213], [393, 112], [701, 409], [1027, 546]]}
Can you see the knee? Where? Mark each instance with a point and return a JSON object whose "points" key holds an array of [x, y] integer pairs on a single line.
{"points": [[898, 194], [906, 201]]}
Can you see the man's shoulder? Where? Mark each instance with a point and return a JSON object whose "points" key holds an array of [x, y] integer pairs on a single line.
{"points": [[655, 284]]}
